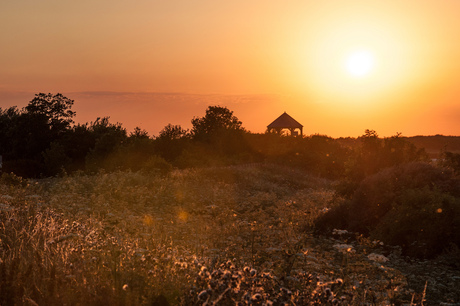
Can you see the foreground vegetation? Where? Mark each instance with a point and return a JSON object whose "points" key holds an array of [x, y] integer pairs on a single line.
{"points": [[237, 234]]}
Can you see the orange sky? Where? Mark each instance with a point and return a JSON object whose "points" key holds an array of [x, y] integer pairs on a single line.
{"points": [[149, 63]]}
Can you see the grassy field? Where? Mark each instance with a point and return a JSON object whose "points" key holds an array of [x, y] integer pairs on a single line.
{"points": [[235, 235]]}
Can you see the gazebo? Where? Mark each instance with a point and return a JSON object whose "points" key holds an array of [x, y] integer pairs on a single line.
{"points": [[285, 122]]}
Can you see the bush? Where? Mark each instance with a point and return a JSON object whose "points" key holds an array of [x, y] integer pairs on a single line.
{"points": [[451, 160], [12, 179], [425, 223], [157, 164], [414, 205], [28, 168]]}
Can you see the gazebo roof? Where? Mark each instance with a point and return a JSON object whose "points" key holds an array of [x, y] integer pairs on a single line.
{"points": [[285, 121]]}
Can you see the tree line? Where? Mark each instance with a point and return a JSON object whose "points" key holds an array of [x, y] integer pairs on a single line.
{"points": [[42, 139]]}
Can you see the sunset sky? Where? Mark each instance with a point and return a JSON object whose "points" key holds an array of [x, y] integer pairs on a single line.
{"points": [[337, 67]]}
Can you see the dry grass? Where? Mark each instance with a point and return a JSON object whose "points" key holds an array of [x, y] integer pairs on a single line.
{"points": [[227, 235]]}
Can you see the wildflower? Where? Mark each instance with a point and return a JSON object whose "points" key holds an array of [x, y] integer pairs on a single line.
{"points": [[339, 232], [377, 257]]}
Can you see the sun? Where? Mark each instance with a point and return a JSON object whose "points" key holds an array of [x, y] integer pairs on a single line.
{"points": [[360, 63]]}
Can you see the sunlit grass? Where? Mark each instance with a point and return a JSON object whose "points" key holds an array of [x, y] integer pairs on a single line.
{"points": [[229, 234]]}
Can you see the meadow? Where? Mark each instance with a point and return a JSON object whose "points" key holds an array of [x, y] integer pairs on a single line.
{"points": [[230, 235]]}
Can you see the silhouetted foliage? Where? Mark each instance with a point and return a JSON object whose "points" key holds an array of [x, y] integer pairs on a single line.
{"points": [[171, 142], [172, 132], [318, 154], [55, 159], [138, 134], [77, 142], [373, 154], [28, 133], [451, 160], [415, 205], [23, 137], [223, 135], [108, 137], [216, 120], [56, 108], [133, 154]]}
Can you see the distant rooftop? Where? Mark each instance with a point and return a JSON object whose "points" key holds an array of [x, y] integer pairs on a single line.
{"points": [[285, 122]]}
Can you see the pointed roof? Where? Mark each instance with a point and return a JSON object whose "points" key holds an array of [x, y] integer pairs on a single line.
{"points": [[285, 121]]}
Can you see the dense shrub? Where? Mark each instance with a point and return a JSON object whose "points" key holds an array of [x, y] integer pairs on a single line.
{"points": [[415, 205], [157, 164], [451, 160], [425, 222], [373, 154], [318, 154], [24, 167], [11, 179]]}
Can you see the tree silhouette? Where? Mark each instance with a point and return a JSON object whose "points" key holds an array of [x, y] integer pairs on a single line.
{"points": [[172, 132], [217, 120], [56, 108], [138, 134], [171, 141]]}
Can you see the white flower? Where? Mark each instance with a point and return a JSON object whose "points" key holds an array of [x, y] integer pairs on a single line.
{"points": [[377, 257], [339, 232]]}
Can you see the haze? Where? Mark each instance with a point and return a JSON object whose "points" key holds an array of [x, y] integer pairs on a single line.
{"points": [[150, 63]]}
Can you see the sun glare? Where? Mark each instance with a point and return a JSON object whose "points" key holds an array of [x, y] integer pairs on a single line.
{"points": [[360, 63]]}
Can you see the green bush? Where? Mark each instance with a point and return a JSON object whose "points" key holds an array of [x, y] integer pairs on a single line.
{"points": [[415, 205]]}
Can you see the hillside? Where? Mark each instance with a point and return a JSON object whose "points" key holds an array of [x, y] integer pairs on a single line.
{"points": [[434, 145]]}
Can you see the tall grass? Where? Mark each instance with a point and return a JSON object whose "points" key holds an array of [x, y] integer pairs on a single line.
{"points": [[239, 234]]}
